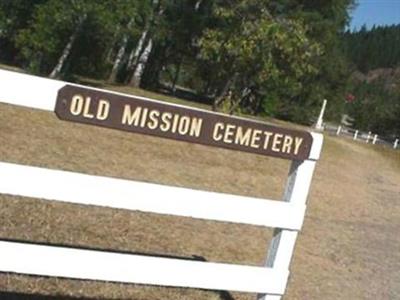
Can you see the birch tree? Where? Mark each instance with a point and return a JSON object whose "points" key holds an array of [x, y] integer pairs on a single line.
{"points": [[55, 73], [121, 53], [124, 20], [174, 34], [141, 64], [55, 29], [144, 47], [137, 50]]}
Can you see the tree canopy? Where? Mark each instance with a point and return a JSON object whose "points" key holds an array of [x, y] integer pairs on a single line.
{"points": [[371, 49], [265, 57]]}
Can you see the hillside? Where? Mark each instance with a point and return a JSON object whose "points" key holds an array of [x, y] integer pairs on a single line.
{"points": [[389, 77], [348, 248]]}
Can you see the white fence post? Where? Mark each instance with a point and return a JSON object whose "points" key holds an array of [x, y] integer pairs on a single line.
{"points": [[355, 135], [375, 138], [396, 142], [319, 123], [339, 129], [368, 137], [296, 191]]}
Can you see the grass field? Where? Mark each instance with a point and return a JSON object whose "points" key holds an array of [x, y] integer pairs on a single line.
{"points": [[348, 249]]}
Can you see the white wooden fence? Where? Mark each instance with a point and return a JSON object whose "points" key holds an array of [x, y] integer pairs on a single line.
{"points": [[268, 281], [358, 135]]}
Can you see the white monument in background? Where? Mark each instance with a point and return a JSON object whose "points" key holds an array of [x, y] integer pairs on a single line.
{"points": [[319, 123]]}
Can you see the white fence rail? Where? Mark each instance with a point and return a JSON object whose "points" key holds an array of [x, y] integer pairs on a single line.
{"points": [[116, 267], [118, 193], [367, 137], [55, 185]]}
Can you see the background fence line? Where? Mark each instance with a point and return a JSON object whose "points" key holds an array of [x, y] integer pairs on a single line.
{"points": [[362, 136]]}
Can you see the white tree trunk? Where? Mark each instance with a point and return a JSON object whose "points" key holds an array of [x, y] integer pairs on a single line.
{"points": [[140, 56], [120, 55], [197, 5], [135, 53], [137, 75], [110, 51], [67, 50]]}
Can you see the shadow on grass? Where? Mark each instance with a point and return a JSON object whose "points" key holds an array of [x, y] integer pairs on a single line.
{"points": [[24, 296], [21, 296], [224, 295], [88, 82]]}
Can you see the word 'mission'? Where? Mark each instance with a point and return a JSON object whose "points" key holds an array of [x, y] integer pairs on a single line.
{"points": [[185, 125]]}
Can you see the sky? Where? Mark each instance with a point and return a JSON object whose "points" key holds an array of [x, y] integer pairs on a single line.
{"points": [[375, 12]]}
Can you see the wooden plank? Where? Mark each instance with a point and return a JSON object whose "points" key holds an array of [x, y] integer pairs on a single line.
{"points": [[119, 193], [130, 113], [116, 267]]}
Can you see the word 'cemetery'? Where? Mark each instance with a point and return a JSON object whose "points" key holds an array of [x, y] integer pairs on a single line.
{"points": [[191, 125]]}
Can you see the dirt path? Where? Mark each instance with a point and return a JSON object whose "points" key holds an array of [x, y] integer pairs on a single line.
{"points": [[350, 245]]}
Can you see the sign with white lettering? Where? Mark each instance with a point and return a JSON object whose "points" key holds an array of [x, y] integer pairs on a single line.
{"points": [[177, 122]]}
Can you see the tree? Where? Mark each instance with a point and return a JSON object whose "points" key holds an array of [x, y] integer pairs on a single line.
{"points": [[14, 16], [256, 55], [376, 109], [326, 21], [49, 41], [375, 48], [145, 45], [279, 58], [127, 15]]}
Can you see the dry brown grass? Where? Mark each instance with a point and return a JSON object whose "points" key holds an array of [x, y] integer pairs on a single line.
{"points": [[348, 249]]}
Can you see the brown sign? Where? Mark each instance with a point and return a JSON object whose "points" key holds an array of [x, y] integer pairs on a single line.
{"points": [[176, 122]]}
